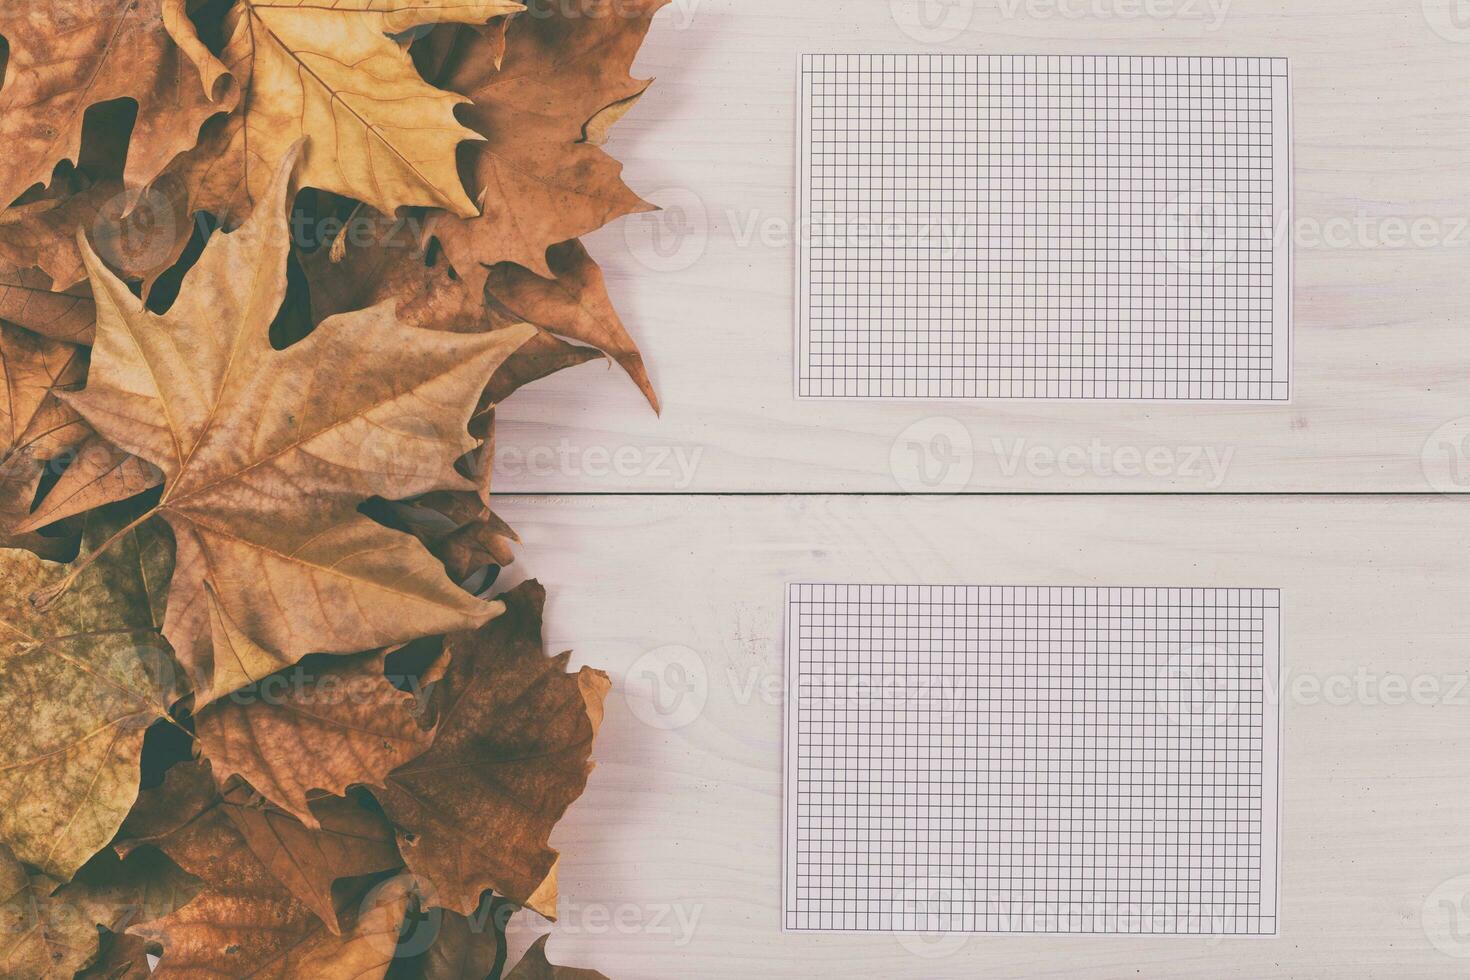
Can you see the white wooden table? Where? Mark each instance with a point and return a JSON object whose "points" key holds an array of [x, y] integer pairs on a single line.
{"points": [[1382, 137], [672, 859], [659, 575]]}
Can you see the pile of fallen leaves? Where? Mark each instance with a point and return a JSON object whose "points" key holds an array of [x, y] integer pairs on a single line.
{"points": [[266, 270]]}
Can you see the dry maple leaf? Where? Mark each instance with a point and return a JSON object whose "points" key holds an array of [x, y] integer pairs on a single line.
{"points": [[246, 921], [541, 357], [82, 682], [49, 930], [346, 839], [267, 454], [138, 238], [36, 427], [28, 300], [39, 432], [436, 300], [459, 530], [510, 754], [435, 52], [540, 181], [465, 947], [598, 129], [326, 727], [69, 55], [458, 946], [468, 946], [574, 304], [98, 473], [382, 260], [381, 134], [122, 957], [535, 966]]}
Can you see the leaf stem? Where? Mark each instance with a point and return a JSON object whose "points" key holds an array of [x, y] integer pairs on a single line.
{"points": [[338, 250], [43, 599]]}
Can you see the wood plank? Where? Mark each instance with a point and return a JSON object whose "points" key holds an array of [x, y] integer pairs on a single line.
{"points": [[671, 861], [1382, 117]]}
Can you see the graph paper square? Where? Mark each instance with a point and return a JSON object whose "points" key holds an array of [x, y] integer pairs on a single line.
{"points": [[1010, 226], [1032, 760]]}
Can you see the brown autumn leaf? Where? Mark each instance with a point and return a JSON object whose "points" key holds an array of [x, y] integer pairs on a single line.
{"points": [[385, 265], [598, 129], [535, 966], [50, 930], [82, 682], [540, 181], [438, 944], [188, 789], [69, 55], [39, 432], [380, 133], [319, 727], [510, 754], [574, 303], [348, 840], [97, 474], [122, 957], [36, 427], [28, 300], [382, 262], [137, 235], [249, 928], [245, 922], [469, 946], [543, 355], [379, 259], [283, 896], [267, 454], [459, 530]]}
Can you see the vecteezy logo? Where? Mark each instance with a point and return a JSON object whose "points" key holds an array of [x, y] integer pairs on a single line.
{"points": [[413, 905], [1446, 917], [142, 667], [667, 688], [932, 21], [672, 238], [926, 904], [1196, 691], [933, 456], [1450, 19], [1446, 458], [407, 454], [1200, 232], [139, 233]]}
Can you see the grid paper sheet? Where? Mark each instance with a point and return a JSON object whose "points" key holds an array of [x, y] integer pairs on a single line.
{"points": [[1032, 760], [1011, 226]]}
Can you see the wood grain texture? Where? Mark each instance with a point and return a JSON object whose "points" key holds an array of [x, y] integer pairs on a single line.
{"points": [[1382, 133], [672, 859]]}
